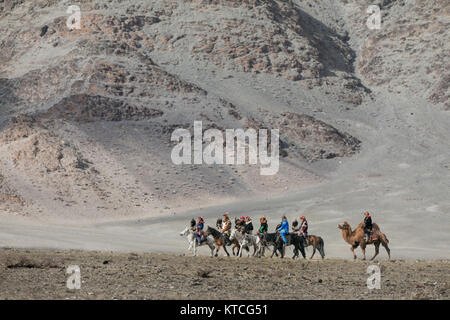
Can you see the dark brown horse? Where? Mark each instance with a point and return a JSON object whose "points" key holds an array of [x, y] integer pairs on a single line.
{"points": [[219, 241]]}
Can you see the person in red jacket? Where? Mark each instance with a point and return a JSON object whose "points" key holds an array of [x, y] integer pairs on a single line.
{"points": [[304, 230], [199, 234]]}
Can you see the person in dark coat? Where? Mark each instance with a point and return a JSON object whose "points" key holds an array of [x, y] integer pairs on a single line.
{"points": [[367, 224], [248, 225]]}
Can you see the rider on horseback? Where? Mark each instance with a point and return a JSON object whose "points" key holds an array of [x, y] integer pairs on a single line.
{"points": [[240, 222], [304, 230], [284, 229], [263, 228], [367, 225], [248, 225], [199, 233], [226, 228], [295, 227]]}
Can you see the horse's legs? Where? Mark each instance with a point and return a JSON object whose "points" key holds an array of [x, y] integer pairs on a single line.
{"points": [[302, 250], [194, 252], [295, 253], [385, 245], [377, 249], [314, 251], [282, 250], [211, 247], [225, 249], [259, 249], [240, 250], [274, 250]]}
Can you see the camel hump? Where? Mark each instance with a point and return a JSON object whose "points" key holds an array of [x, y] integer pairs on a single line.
{"points": [[375, 227]]}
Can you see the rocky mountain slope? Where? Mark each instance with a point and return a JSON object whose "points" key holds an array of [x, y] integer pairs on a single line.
{"points": [[86, 115]]}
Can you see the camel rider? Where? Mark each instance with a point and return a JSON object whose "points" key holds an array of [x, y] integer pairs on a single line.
{"points": [[226, 228], [199, 233], [284, 229], [248, 225], [304, 230], [263, 228], [367, 225]]}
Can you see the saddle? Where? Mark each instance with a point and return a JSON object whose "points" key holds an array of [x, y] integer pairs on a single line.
{"points": [[373, 236]]}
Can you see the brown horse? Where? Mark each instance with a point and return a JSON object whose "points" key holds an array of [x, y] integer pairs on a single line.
{"points": [[234, 242], [317, 243], [358, 238], [218, 240]]}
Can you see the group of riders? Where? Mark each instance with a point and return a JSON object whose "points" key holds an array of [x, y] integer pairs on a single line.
{"points": [[245, 225]]}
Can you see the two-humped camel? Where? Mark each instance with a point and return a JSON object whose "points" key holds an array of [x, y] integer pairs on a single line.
{"points": [[357, 238]]}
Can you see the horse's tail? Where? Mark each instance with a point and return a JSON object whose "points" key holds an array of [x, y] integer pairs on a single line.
{"points": [[321, 247]]}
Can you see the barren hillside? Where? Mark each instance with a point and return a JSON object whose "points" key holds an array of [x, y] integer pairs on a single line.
{"points": [[86, 115]]}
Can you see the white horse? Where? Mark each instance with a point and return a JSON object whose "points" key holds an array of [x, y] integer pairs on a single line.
{"points": [[190, 236], [246, 240]]}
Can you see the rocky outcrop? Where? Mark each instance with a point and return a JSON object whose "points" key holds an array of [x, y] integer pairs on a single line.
{"points": [[91, 108], [307, 137]]}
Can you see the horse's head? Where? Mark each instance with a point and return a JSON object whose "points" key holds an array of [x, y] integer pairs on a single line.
{"points": [[233, 234], [219, 223], [277, 227], [344, 226], [184, 232]]}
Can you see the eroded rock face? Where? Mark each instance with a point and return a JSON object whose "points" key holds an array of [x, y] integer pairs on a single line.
{"points": [[34, 147], [92, 108], [410, 51], [61, 85], [304, 136], [10, 199], [271, 37]]}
